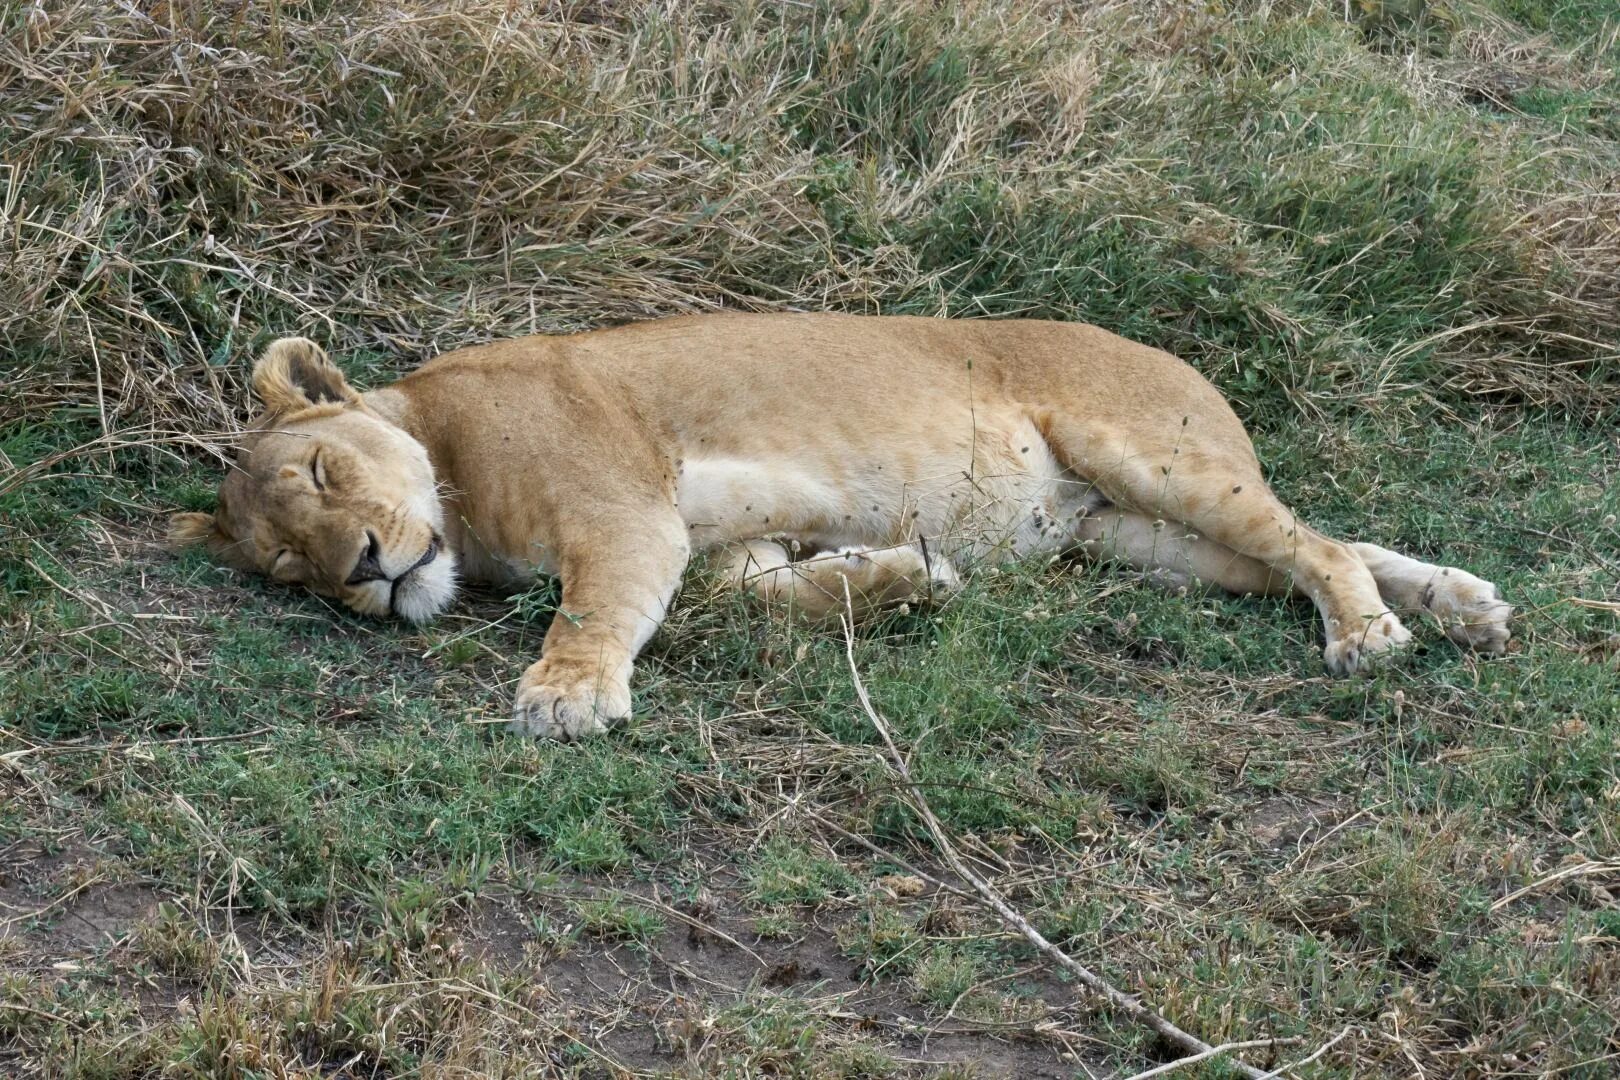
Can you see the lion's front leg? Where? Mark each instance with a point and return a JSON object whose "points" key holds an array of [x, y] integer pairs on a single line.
{"points": [[615, 594]]}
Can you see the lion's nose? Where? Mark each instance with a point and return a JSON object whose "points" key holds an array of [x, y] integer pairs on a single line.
{"points": [[369, 568]]}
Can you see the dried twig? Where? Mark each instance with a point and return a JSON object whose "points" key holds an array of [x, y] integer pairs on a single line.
{"points": [[12, 757], [45, 1014], [1202, 1055], [1574, 870], [657, 905], [989, 897], [27, 916], [1314, 1054]]}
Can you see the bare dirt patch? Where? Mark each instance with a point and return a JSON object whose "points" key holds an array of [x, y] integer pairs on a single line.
{"points": [[664, 1003]]}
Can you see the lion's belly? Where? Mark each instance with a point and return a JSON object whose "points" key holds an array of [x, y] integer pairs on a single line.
{"points": [[996, 492]]}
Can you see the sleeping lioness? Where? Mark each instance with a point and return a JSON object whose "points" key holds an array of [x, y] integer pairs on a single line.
{"points": [[829, 461]]}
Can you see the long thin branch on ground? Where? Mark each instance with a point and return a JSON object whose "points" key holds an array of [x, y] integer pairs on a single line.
{"points": [[1202, 1055], [989, 897], [1586, 869], [1314, 1054]]}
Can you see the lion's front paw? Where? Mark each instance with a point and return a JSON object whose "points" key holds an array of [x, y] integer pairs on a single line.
{"points": [[1354, 650], [1470, 610], [553, 703]]}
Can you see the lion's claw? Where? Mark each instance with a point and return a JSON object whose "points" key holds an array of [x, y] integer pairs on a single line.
{"points": [[550, 711], [1362, 649]]}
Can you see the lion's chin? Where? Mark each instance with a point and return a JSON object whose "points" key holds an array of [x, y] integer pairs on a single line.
{"points": [[426, 591], [419, 595]]}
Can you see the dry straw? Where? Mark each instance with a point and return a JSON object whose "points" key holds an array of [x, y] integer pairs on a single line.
{"points": [[182, 181]]}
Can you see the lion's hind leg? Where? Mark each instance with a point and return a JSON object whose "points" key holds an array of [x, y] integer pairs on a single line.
{"points": [[1173, 555], [1468, 607], [1201, 477], [1247, 518], [816, 587]]}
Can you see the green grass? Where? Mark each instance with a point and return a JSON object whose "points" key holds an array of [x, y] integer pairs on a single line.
{"points": [[244, 833]]}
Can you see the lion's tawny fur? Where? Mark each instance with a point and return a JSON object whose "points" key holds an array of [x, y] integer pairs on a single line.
{"points": [[824, 456]]}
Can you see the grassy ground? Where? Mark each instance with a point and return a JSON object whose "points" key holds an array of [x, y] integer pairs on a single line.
{"points": [[244, 834]]}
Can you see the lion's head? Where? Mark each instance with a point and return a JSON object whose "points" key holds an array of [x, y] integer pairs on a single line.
{"points": [[327, 494]]}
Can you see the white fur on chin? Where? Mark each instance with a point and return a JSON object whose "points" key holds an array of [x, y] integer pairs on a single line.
{"points": [[426, 591]]}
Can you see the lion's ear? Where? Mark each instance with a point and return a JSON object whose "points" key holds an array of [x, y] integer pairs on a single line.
{"points": [[193, 530], [188, 530], [294, 373]]}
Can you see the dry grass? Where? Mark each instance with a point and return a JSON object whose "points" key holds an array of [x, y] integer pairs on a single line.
{"points": [[184, 180]]}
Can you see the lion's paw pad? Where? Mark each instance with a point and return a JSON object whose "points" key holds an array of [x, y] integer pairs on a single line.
{"points": [[549, 712]]}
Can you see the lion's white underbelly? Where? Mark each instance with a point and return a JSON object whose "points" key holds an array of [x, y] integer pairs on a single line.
{"points": [[1007, 497]]}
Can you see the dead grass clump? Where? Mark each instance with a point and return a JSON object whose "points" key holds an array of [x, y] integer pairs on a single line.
{"points": [[1554, 351], [184, 181]]}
